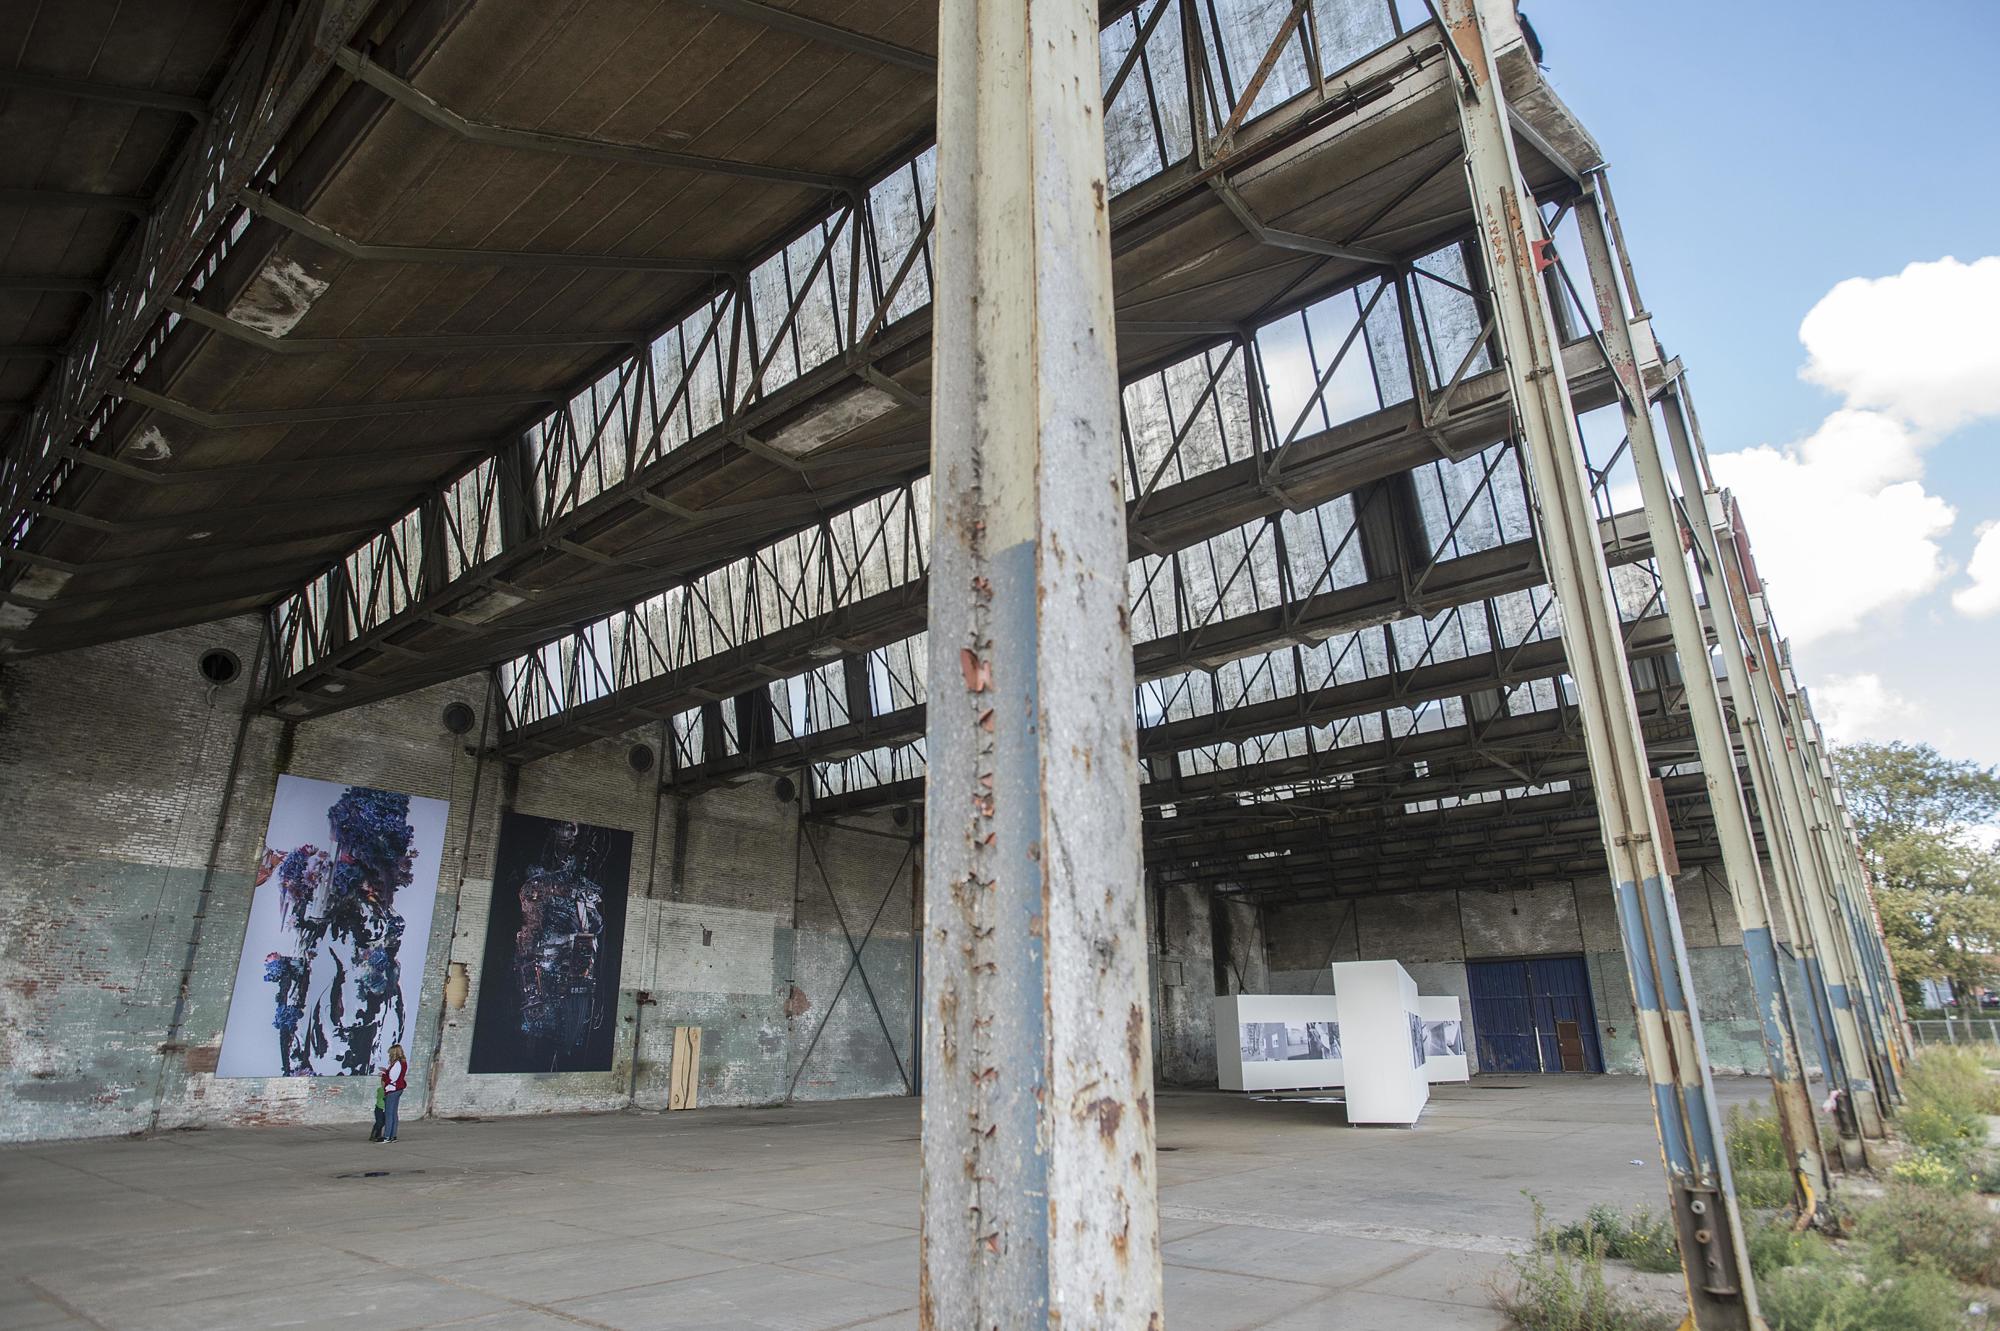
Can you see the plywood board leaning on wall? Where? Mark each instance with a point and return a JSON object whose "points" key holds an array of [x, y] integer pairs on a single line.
{"points": [[685, 1079]]}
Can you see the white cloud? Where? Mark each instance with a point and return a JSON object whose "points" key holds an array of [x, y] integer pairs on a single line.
{"points": [[1980, 597], [1842, 524], [1860, 708], [1921, 345]]}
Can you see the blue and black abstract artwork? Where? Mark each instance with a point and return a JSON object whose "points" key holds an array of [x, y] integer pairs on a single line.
{"points": [[548, 989], [347, 879]]}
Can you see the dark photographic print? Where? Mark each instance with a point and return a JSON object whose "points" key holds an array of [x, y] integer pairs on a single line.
{"points": [[548, 992], [1416, 1039], [1322, 1040], [1444, 1039]]}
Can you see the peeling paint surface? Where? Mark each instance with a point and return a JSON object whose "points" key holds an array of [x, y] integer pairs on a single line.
{"points": [[281, 295]]}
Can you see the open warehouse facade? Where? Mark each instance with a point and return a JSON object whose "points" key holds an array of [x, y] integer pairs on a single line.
{"points": [[647, 451]]}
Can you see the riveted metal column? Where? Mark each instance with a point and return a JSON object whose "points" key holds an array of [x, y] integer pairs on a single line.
{"points": [[1850, 996], [1718, 754], [1731, 617], [1827, 953], [1669, 1027], [1039, 1201], [1894, 981], [1843, 867]]}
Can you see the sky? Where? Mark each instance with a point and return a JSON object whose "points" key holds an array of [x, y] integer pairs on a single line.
{"points": [[1811, 194]]}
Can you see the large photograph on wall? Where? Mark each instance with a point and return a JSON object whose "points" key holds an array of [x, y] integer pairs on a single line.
{"points": [[548, 990], [340, 918]]}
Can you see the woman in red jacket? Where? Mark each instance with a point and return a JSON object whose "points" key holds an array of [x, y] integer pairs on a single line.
{"points": [[394, 1078]]}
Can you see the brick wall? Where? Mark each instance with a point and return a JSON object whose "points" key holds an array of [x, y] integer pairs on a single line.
{"points": [[1434, 934], [114, 882]]}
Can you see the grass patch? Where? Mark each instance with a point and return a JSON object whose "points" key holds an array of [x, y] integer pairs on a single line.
{"points": [[1556, 1289], [1775, 1246], [1943, 1171], [1876, 1296], [1951, 1080], [1755, 1139], [1954, 1234], [1640, 1238], [1757, 1159]]}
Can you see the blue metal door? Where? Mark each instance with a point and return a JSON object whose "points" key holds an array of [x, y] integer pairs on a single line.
{"points": [[1519, 1008], [1503, 1020]]}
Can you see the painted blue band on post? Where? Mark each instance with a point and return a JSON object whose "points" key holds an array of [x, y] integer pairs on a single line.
{"points": [[1637, 959], [1762, 953], [1671, 1113], [1672, 997]]}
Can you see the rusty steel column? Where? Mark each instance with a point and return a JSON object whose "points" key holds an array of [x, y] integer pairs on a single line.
{"points": [[1623, 346], [1514, 241], [1861, 1090], [1732, 627], [1843, 869], [1039, 1200]]}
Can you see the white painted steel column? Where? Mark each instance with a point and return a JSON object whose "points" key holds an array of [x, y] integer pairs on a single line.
{"points": [[1732, 622], [1039, 1199], [1718, 754], [1828, 958], [1669, 1023], [1844, 871]]}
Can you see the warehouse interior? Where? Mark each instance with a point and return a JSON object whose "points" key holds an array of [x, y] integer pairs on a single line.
{"points": [[599, 413]]}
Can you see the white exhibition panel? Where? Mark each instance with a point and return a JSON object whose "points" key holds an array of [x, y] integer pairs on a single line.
{"points": [[1382, 1042], [1444, 1038], [1272, 1042]]}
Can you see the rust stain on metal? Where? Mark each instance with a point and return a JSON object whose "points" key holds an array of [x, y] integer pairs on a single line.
{"points": [[977, 671], [1109, 1114]]}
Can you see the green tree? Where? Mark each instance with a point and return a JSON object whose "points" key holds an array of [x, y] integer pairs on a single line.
{"points": [[1922, 820]]}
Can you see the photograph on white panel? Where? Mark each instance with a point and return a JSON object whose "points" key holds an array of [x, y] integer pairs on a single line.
{"points": [[1279, 1041], [1444, 1039]]}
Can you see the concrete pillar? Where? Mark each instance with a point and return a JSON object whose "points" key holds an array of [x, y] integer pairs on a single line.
{"points": [[1039, 1199], [1669, 1024], [1718, 754]]}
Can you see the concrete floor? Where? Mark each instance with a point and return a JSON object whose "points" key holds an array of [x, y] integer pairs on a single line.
{"points": [[794, 1219]]}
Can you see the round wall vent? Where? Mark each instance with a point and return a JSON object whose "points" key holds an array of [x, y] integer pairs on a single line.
{"points": [[785, 789], [640, 757], [459, 717], [219, 666]]}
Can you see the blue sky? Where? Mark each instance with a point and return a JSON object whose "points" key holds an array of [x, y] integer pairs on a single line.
{"points": [[1763, 152]]}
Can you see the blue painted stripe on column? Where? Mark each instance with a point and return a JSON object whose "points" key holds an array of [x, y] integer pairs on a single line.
{"points": [[1816, 1011], [1020, 987], [1670, 1112], [1693, 1098], [1668, 1108], [1672, 997], [1631, 925], [1837, 995], [1762, 953]]}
